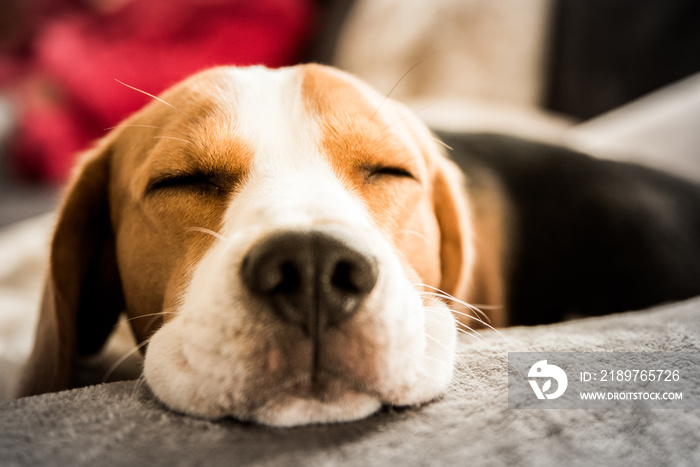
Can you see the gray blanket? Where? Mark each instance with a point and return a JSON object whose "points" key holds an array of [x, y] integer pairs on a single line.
{"points": [[122, 424]]}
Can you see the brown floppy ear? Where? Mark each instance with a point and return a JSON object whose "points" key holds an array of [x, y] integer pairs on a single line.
{"points": [[82, 293], [473, 218], [452, 212]]}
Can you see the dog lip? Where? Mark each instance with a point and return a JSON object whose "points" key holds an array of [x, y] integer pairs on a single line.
{"points": [[328, 399], [321, 385]]}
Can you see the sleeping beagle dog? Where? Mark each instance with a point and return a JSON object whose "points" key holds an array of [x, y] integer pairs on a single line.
{"points": [[289, 245]]}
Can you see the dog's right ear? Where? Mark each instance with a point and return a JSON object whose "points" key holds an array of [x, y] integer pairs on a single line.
{"points": [[82, 294]]}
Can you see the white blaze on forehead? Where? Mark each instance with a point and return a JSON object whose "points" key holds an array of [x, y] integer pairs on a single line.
{"points": [[288, 164], [269, 112], [270, 115]]}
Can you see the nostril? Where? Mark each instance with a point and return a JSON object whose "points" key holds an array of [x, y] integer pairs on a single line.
{"points": [[355, 276], [289, 279], [273, 270], [342, 277]]}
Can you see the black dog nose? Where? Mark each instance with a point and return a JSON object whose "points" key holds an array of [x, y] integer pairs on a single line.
{"points": [[315, 279]]}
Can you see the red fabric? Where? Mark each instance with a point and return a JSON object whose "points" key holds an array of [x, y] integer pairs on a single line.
{"points": [[148, 44]]}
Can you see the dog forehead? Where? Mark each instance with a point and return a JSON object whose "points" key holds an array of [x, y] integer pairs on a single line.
{"points": [[291, 114], [318, 88], [307, 91], [331, 93], [306, 118]]}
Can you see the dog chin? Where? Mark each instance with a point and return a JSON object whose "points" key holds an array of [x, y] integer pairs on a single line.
{"points": [[331, 401], [288, 411], [178, 384], [331, 398]]}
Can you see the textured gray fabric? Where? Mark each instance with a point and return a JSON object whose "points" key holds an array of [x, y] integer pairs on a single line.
{"points": [[121, 423]]}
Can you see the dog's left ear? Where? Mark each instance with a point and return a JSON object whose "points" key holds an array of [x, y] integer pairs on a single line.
{"points": [[82, 292], [452, 212]]}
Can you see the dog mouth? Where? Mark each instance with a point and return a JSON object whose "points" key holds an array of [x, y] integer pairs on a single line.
{"points": [[350, 378], [326, 385], [323, 398], [276, 375], [311, 381]]}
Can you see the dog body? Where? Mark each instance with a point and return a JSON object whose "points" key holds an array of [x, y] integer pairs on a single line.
{"points": [[276, 237], [583, 236]]}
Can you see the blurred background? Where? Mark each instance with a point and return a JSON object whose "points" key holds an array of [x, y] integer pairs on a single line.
{"points": [[615, 76], [619, 78]]}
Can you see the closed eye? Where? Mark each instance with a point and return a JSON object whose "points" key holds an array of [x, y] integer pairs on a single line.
{"points": [[378, 172], [199, 182]]}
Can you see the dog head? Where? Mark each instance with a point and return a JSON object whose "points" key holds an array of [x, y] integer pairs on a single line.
{"points": [[282, 225]]}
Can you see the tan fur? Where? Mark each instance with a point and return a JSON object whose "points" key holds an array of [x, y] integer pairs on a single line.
{"points": [[119, 246], [101, 223]]}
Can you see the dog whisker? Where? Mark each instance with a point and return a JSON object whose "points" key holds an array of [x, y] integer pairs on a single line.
{"points": [[479, 315], [437, 341], [474, 334], [153, 321], [485, 324], [160, 313], [140, 381], [172, 137], [460, 326], [156, 98], [463, 329], [172, 310], [122, 359], [442, 143], [208, 232], [417, 234], [466, 329], [447, 296], [391, 91], [467, 315], [455, 312]]}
